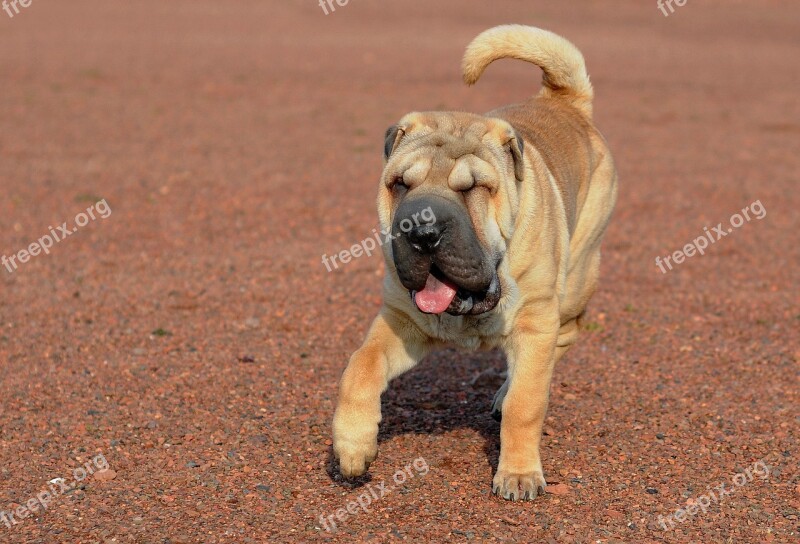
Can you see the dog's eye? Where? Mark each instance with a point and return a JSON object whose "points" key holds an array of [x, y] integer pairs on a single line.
{"points": [[399, 185]]}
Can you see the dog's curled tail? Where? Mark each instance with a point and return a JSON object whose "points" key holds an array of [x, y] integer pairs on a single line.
{"points": [[564, 70]]}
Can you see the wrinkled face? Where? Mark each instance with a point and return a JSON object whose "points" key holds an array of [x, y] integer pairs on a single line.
{"points": [[448, 192]]}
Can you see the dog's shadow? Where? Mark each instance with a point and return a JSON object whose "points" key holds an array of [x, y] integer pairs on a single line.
{"points": [[448, 390]]}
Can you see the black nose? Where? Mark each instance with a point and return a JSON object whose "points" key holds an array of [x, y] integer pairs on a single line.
{"points": [[425, 238]]}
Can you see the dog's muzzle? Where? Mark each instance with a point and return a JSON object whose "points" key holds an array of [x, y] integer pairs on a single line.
{"points": [[441, 261]]}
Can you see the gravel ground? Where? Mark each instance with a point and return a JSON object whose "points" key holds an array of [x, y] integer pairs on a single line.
{"points": [[191, 339]]}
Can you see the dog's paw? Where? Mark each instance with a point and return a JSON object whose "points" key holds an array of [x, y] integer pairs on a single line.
{"points": [[355, 457], [518, 486]]}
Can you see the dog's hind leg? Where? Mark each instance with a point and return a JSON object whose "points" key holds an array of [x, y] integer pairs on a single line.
{"points": [[497, 402]]}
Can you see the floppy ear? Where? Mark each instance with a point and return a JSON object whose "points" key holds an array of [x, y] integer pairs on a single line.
{"points": [[394, 134], [516, 145]]}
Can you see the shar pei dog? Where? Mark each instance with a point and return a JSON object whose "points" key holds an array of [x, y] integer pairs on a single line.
{"points": [[520, 198]]}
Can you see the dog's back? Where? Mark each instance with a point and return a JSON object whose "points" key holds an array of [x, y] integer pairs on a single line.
{"points": [[559, 134]]}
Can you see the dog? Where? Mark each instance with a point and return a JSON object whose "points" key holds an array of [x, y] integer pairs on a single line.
{"points": [[521, 198]]}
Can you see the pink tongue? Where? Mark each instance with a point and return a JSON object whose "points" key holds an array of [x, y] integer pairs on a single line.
{"points": [[435, 297]]}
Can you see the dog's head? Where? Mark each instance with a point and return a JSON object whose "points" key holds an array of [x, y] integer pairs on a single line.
{"points": [[448, 193]]}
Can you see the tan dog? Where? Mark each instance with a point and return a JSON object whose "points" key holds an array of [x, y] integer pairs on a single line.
{"points": [[521, 196]]}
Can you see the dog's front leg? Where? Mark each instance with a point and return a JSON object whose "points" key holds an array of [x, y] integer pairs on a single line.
{"points": [[530, 350], [393, 345]]}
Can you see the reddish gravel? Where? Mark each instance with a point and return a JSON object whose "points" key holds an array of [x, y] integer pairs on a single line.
{"points": [[195, 340]]}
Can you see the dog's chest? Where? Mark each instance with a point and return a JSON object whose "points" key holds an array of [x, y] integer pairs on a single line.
{"points": [[467, 332]]}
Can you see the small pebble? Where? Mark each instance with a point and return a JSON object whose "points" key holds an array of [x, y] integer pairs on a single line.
{"points": [[558, 489], [105, 475]]}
